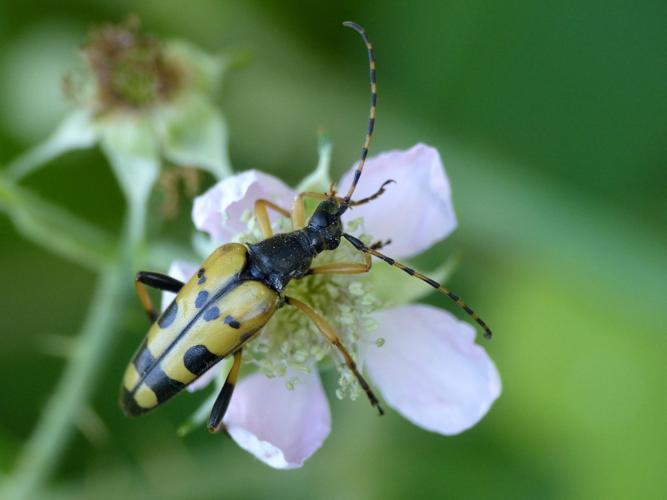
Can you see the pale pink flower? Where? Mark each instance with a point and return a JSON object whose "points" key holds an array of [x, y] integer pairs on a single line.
{"points": [[429, 369]]}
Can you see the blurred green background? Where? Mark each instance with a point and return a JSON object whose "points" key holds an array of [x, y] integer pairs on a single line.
{"points": [[551, 118]]}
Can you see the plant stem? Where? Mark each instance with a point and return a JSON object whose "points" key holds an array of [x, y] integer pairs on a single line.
{"points": [[49, 438]]}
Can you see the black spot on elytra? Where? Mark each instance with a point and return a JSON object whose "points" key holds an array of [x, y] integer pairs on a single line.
{"points": [[198, 359], [201, 299], [229, 320], [211, 314], [162, 385], [129, 405], [168, 316], [201, 275]]}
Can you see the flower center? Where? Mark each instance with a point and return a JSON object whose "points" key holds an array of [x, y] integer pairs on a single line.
{"points": [[290, 341]]}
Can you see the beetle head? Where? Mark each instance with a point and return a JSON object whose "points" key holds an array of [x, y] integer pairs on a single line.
{"points": [[325, 225]]}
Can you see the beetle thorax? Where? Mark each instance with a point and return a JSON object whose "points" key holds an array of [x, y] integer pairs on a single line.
{"points": [[283, 257]]}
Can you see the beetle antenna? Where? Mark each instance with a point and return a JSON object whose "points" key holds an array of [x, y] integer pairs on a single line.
{"points": [[359, 245], [371, 118]]}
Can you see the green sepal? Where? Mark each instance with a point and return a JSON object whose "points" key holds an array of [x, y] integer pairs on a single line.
{"points": [[192, 133], [131, 148], [319, 180], [204, 71]]}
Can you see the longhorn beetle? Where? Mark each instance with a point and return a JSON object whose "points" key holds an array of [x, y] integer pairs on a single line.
{"points": [[239, 287]]}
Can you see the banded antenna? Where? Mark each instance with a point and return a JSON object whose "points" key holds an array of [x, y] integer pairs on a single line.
{"points": [[371, 118]]}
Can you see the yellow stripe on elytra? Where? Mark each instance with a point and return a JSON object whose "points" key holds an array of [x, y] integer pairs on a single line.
{"points": [[131, 377], [145, 397]]}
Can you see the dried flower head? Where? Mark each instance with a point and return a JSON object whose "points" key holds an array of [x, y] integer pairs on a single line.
{"points": [[144, 101], [130, 67]]}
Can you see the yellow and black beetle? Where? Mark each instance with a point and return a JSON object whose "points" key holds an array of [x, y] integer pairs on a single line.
{"points": [[239, 287]]}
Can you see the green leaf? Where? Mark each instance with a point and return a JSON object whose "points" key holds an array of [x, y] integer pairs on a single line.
{"points": [[320, 179], [76, 131], [193, 133]]}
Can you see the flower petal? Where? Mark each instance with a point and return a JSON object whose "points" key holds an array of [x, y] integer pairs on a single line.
{"points": [[219, 210], [430, 370], [280, 427], [417, 211]]}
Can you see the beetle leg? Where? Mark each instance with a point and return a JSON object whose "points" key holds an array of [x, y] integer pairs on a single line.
{"points": [[222, 401], [343, 267], [330, 333], [379, 244], [262, 214], [154, 280], [375, 196]]}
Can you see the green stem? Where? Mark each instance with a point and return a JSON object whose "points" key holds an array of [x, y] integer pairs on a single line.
{"points": [[76, 131], [34, 159], [45, 445]]}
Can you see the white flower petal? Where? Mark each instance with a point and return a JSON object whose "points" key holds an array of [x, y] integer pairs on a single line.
{"points": [[219, 210], [430, 370], [414, 213], [280, 427]]}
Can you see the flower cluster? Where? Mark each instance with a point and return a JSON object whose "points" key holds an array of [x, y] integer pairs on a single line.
{"points": [[422, 359]]}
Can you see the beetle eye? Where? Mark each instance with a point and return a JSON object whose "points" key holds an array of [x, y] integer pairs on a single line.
{"points": [[319, 219]]}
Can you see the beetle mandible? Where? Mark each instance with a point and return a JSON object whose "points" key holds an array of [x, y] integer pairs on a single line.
{"points": [[239, 287]]}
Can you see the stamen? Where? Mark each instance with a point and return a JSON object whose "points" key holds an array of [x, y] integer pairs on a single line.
{"points": [[290, 341]]}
